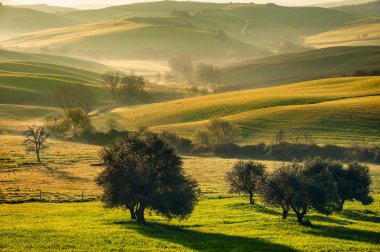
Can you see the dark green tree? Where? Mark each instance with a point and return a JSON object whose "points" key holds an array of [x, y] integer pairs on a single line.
{"points": [[244, 177], [143, 172]]}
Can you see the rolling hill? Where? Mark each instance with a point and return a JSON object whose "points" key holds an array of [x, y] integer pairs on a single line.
{"points": [[289, 68], [371, 8], [31, 83], [15, 20], [54, 59], [122, 38], [321, 107], [46, 8], [360, 33], [168, 27]]}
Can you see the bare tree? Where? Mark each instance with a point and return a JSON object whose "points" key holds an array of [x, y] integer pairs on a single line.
{"points": [[208, 74], [112, 81], [35, 141], [74, 96], [182, 66]]}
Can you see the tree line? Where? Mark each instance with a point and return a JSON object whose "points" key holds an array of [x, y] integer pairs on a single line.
{"points": [[143, 172]]}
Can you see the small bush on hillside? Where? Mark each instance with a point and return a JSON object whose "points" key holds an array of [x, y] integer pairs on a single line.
{"points": [[180, 144]]}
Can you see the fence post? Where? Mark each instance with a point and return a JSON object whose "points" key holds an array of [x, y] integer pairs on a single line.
{"points": [[82, 195], [40, 194]]}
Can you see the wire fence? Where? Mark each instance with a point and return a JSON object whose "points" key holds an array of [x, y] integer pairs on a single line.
{"points": [[14, 195]]}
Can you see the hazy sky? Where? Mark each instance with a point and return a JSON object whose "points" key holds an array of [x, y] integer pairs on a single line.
{"points": [[118, 2]]}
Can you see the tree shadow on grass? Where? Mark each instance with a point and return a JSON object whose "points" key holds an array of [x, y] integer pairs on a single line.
{"points": [[344, 233], [367, 216], [200, 241]]}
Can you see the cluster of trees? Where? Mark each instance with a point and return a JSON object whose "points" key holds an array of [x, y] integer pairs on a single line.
{"points": [[125, 88], [207, 75], [321, 185]]}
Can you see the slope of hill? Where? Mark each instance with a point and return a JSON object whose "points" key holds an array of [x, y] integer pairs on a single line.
{"points": [[288, 68], [53, 59], [31, 83], [365, 9], [320, 107], [14, 20], [123, 38], [46, 8], [360, 33]]}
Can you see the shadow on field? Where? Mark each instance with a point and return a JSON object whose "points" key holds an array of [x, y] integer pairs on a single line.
{"points": [[346, 234], [367, 216], [199, 241]]}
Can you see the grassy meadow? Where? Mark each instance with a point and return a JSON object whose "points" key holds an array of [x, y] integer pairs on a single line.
{"points": [[319, 107], [220, 222], [281, 68]]}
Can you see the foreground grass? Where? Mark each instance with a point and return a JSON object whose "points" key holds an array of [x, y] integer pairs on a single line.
{"points": [[220, 222], [227, 224]]}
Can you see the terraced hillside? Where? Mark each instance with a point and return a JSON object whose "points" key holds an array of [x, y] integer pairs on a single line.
{"points": [[309, 65], [360, 33], [341, 110]]}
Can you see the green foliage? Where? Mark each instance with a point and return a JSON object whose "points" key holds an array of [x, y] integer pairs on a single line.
{"points": [[244, 177], [218, 132], [143, 172], [79, 120]]}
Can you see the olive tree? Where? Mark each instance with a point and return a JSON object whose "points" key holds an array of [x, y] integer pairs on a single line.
{"points": [[301, 186], [143, 172], [244, 177], [353, 182]]}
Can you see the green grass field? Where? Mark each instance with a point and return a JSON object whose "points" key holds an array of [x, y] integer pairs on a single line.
{"points": [[320, 107], [220, 221]]}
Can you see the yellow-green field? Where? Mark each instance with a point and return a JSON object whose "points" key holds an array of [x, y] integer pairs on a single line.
{"points": [[342, 111], [362, 33], [220, 221]]}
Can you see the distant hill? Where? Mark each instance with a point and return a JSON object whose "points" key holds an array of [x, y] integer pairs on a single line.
{"points": [[263, 25], [53, 59], [360, 33], [288, 68], [342, 3], [46, 8], [340, 110], [366, 9], [15, 20], [122, 38]]}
